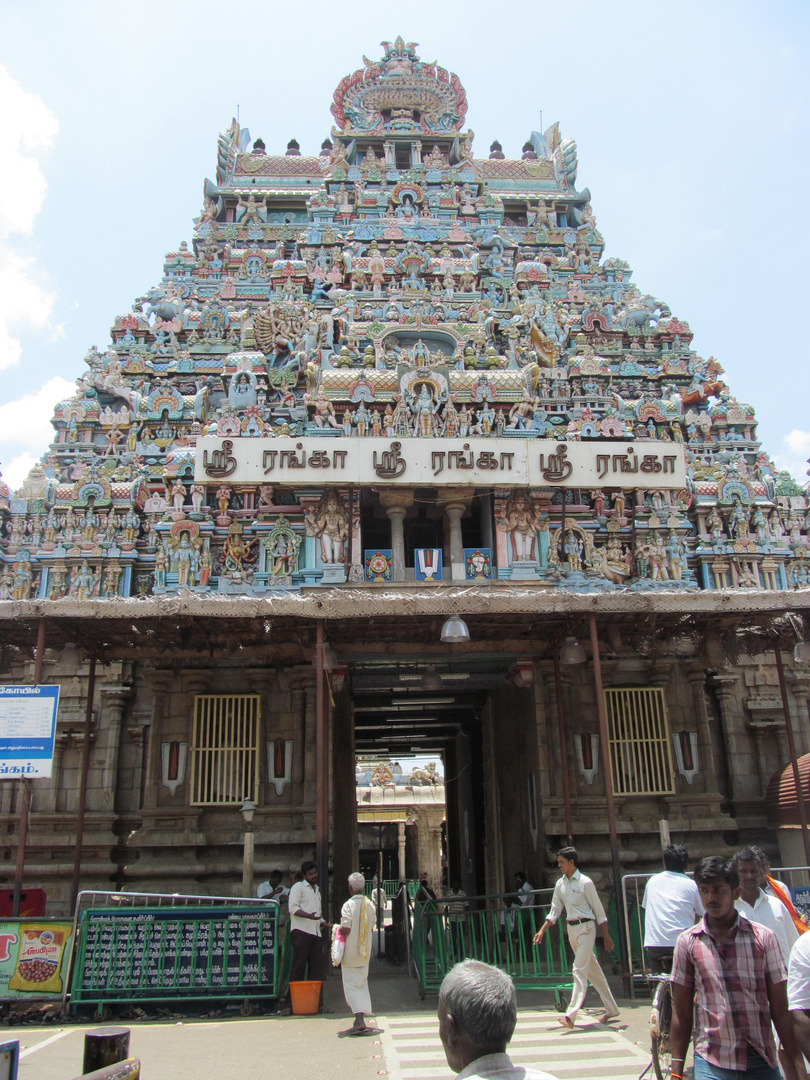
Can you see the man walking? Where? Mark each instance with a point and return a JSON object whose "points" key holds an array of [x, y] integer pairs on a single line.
{"points": [[671, 904], [584, 912], [306, 923], [356, 922], [729, 973]]}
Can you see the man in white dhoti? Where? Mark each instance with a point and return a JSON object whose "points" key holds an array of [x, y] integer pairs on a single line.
{"points": [[356, 922]]}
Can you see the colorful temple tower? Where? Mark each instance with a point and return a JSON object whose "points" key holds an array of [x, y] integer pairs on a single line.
{"points": [[399, 379]]}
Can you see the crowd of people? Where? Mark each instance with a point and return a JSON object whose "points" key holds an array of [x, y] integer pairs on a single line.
{"points": [[735, 945]]}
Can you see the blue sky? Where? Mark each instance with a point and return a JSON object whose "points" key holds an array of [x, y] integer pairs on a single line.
{"points": [[691, 121]]}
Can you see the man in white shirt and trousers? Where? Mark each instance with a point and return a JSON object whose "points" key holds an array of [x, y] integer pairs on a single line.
{"points": [[306, 924], [671, 905], [584, 912]]}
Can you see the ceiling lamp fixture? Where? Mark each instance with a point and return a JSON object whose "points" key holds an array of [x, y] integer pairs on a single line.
{"points": [[431, 680], [454, 630], [572, 652]]}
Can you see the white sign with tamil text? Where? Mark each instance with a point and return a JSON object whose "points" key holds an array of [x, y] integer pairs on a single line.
{"points": [[27, 730], [534, 463]]}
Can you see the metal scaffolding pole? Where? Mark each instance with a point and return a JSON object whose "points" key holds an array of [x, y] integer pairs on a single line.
{"points": [[561, 728], [609, 805], [321, 769], [88, 722], [25, 788]]}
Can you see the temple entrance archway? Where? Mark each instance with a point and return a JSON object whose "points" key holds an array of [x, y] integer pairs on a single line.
{"points": [[419, 751]]}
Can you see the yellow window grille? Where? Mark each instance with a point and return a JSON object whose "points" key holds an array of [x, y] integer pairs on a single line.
{"points": [[638, 737], [225, 749]]}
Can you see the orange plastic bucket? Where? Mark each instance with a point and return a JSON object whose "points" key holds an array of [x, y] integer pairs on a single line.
{"points": [[304, 998]]}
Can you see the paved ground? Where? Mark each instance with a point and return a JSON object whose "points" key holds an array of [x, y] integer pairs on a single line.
{"points": [[592, 1051], [290, 1047]]}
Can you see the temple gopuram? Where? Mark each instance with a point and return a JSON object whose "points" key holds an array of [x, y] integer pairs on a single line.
{"points": [[391, 460]]}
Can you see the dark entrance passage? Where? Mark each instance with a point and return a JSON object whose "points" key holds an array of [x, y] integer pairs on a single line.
{"points": [[428, 708]]}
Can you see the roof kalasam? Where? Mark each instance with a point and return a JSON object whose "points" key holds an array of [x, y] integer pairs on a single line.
{"points": [[397, 303]]}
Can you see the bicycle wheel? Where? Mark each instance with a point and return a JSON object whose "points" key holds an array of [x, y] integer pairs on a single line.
{"points": [[660, 1026]]}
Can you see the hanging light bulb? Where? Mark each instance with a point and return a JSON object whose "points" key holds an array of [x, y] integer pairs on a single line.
{"points": [[454, 629], [431, 680], [572, 652]]}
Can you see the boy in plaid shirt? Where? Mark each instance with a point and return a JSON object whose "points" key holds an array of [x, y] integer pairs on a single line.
{"points": [[730, 970]]}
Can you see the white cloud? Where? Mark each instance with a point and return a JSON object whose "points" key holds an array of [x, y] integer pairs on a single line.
{"points": [[794, 455], [25, 428], [27, 130], [25, 303], [17, 469]]}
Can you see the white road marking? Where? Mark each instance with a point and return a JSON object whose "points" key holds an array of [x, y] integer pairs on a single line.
{"points": [[413, 1050], [45, 1042]]}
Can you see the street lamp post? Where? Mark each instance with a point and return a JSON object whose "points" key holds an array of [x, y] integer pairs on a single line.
{"points": [[247, 810]]}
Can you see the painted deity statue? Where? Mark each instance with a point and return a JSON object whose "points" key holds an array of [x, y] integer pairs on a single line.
{"points": [[520, 522], [237, 551], [331, 525], [424, 409]]}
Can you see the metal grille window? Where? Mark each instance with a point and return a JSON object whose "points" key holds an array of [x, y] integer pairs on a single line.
{"points": [[638, 736], [225, 749]]}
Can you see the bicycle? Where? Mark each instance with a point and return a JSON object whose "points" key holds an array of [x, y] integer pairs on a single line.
{"points": [[661, 1025]]}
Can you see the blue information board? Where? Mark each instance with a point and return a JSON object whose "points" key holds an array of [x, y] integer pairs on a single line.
{"points": [[27, 730]]}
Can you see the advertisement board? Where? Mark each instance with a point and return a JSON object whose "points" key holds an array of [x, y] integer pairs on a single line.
{"points": [[34, 957], [27, 730]]}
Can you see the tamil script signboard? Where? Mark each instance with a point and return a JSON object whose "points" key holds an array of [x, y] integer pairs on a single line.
{"points": [[27, 730], [488, 462], [150, 954]]}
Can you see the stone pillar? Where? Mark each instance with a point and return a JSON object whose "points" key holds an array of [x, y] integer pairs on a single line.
{"points": [[113, 702], [799, 683], [160, 683], [265, 683], [428, 821], [434, 866], [396, 504], [401, 848], [695, 675], [493, 864], [738, 763], [456, 501]]}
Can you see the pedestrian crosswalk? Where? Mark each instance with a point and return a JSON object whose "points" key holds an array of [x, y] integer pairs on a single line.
{"points": [[413, 1050]]}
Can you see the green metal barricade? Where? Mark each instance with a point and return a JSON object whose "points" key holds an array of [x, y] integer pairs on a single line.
{"points": [[495, 932]]}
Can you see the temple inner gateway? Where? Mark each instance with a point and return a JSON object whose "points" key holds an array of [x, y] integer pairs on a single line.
{"points": [[390, 463]]}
